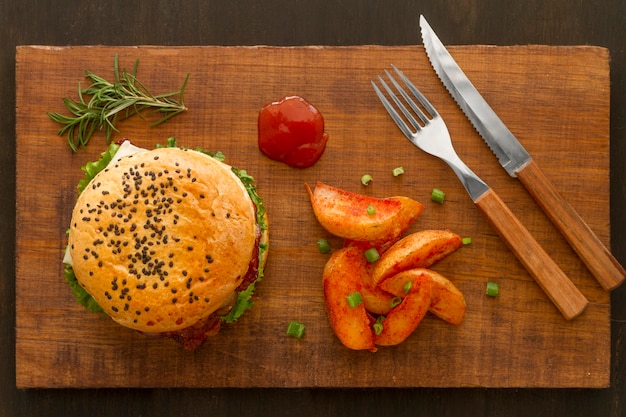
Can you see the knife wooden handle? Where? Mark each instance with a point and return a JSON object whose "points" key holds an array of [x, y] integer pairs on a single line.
{"points": [[563, 293], [598, 259]]}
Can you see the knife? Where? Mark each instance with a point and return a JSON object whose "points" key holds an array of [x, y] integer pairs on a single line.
{"points": [[518, 163]]}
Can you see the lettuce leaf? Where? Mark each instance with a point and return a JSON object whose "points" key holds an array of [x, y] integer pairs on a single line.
{"points": [[82, 296]]}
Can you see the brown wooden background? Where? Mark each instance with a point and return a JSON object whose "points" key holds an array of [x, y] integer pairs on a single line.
{"points": [[516, 340]]}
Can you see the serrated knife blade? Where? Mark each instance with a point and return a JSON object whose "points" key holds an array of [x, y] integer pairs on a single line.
{"points": [[518, 163]]}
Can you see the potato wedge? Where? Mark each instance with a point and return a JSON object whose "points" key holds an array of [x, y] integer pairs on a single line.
{"points": [[375, 299], [342, 277], [417, 250], [404, 318], [344, 214], [446, 301]]}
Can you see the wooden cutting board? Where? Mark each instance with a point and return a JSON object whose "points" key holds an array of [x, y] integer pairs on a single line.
{"points": [[555, 99]]}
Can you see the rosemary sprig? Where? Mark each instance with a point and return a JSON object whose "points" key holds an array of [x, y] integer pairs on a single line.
{"points": [[112, 101]]}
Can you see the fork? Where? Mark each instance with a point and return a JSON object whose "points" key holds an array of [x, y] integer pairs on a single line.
{"points": [[420, 122]]}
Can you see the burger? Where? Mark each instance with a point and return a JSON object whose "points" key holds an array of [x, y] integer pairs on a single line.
{"points": [[168, 242]]}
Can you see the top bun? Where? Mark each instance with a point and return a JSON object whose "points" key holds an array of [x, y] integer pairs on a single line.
{"points": [[161, 239]]}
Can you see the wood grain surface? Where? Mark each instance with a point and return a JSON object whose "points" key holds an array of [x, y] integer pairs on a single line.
{"points": [[556, 101]]}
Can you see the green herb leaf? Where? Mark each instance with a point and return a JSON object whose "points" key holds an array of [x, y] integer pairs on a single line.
{"points": [[112, 101]]}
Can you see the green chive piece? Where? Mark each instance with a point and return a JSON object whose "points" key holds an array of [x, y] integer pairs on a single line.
{"points": [[437, 196], [366, 179], [408, 286], [296, 329], [492, 289], [372, 255], [323, 246], [466, 240], [378, 326], [397, 171], [395, 301], [371, 210], [354, 299]]}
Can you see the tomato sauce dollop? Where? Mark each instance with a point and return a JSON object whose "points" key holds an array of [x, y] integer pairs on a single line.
{"points": [[291, 130]]}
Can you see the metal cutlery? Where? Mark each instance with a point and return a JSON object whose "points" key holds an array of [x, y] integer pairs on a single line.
{"points": [[424, 127], [518, 163]]}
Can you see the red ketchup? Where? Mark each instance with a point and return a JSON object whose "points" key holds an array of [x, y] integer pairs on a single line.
{"points": [[292, 131]]}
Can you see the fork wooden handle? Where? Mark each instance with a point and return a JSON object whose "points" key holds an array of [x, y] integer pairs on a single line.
{"points": [[559, 288], [598, 259]]}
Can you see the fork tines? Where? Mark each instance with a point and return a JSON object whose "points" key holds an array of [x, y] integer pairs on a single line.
{"points": [[416, 115]]}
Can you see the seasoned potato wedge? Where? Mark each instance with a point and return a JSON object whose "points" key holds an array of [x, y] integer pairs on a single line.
{"points": [[417, 250], [345, 214], [375, 299], [446, 301], [403, 319], [343, 275]]}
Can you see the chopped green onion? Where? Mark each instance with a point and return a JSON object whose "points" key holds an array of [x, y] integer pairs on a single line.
{"points": [[466, 240], [397, 171], [371, 210], [408, 286], [395, 301], [378, 326], [366, 179], [492, 289], [296, 329], [354, 299], [372, 255], [323, 246], [437, 196]]}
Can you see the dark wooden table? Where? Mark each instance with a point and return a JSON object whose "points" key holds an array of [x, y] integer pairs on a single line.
{"points": [[295, 22]]}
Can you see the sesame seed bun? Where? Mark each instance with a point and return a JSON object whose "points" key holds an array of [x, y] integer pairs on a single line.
{"points": [[162, 239]]}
